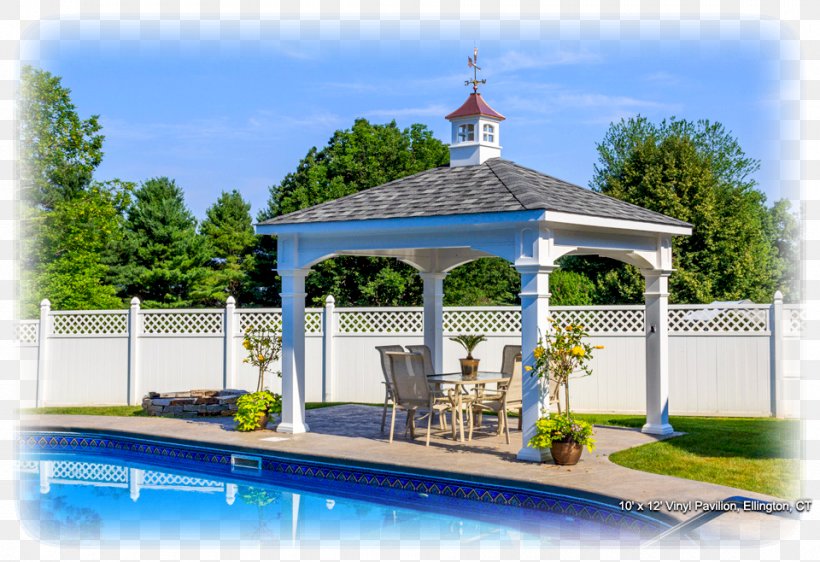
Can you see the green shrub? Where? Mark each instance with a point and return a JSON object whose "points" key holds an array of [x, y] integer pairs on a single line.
{"points": [[559, 427], [250, 407]]}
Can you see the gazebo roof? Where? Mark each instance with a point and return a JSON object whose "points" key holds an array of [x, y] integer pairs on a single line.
{"points": [[497, 185]]}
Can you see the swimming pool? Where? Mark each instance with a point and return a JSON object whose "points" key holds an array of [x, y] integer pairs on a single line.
{"points": [[110, 486]]}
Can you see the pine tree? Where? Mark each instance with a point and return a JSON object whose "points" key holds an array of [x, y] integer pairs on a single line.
{"points": [[228, 230], [162, 256]]}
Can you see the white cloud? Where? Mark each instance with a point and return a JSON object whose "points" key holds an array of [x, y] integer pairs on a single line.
{"points": [[435, 110], [263, 125], [513, 61]]}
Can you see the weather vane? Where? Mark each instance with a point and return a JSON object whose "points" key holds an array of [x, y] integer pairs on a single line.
{"points": [[472, 62]]}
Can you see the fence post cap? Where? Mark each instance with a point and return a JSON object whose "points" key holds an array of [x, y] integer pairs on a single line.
{"points": [[778, 296], [135, 301], [230, 301], [330, 300], [45, 302]]}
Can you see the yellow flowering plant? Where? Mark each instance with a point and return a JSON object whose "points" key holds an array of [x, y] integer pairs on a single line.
{"points": [[561, 353], [263, 347]]}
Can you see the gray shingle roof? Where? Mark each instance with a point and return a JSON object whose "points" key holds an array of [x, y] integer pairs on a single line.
{"points": [[497, 185]]}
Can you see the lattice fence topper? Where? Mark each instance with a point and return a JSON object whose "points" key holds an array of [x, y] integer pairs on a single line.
{"points": [[717, 320], [607, 321], [90, 324], [502, 321], [795, 319], [381, 322], [313, 322], [89, 472], [182, 323], [27, 331], [159, 479], [261, 320]]}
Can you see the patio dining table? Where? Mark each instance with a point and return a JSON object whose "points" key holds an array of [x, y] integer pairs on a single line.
{"points": [[460, 383]]}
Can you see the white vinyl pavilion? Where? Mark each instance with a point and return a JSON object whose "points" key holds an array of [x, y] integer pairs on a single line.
{"points": [[478, 206], [531, 240]]}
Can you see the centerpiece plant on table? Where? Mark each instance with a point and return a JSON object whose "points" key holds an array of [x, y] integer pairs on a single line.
{"points": [[254, 409], [469, 365], [562, 353]]}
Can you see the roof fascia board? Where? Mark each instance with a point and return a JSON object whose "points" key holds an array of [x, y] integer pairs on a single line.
{"points": [[404, 223], [555, 218]]}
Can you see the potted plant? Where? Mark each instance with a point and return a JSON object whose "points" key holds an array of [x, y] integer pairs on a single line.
{"points": [[562, 353], [263, 348], [254, 409], [564, 436], [469, 365]]}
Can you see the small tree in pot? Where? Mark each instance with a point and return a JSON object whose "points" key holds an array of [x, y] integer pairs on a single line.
{"points": [[469, 365], [562, 353], [255, 409]]}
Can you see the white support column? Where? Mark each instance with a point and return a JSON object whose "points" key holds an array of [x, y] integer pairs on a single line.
{"points": [[434, 316], [46, 472], [328, 353], [44, 329], [229, 368], [776, 326], [535, 298], [230, 493], [293, 351], [657, 352], [135, 480], [133, 350]]}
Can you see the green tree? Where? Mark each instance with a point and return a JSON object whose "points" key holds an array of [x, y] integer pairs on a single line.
{"points": [[75, 251], [784, 231], [228, 230], [162, 256], [64, 256], [59, 150], [568, 288], [361, 157], [486, 281], [696, 172]]}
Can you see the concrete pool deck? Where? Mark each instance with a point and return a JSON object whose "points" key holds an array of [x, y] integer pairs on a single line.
{"points": [[352, 433]]}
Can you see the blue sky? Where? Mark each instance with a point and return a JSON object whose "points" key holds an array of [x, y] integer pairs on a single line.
{"points": [[217, 119]]}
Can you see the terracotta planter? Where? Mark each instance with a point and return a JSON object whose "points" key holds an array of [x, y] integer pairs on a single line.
{"points": [[469, 368], [566, 452], [263, 421]]}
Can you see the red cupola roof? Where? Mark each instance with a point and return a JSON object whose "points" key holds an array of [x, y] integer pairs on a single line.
{"points": [[475, 105]]}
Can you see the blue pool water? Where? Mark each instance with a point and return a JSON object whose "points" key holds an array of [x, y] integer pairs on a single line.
{"points": [[75, 487]]}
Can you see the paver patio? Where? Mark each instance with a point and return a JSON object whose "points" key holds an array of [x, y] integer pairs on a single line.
{"points": [[352, 433]]}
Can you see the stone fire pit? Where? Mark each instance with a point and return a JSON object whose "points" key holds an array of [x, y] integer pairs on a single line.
{"points": [[192, 403]]}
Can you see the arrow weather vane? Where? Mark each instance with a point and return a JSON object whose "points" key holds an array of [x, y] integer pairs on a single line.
{"points": [[472, 62]]}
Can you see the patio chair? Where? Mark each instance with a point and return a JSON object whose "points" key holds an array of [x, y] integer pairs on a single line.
{"points": [[412, 392], [427, 357], [388, 377], [508, 394]]}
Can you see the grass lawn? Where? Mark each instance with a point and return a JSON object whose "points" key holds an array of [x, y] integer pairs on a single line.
{"points": [[757, 454]]}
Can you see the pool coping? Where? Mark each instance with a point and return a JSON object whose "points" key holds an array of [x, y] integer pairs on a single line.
{"points": [[506, 492], [622, 483]]}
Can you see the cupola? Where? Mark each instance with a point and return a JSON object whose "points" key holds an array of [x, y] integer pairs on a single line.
{"points": [[475, 126]]}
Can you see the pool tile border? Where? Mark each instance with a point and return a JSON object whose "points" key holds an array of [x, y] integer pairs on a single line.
{"points": [[58, 441]]}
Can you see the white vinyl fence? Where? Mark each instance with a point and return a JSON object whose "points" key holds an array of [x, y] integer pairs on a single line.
{"points": [[736, 359]]}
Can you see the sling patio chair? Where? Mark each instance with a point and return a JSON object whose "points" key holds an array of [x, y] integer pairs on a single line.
{"points": [[427, 358], [508, 394], [412, 392], [388, 377]]}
